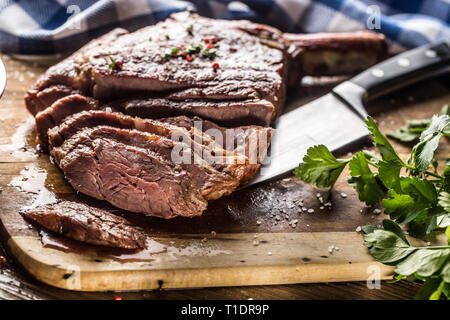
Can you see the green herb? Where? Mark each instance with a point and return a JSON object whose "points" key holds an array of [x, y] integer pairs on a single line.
{"points": [[365, 182], [112, 65], [389, 245], [190, 29], [320, 167], [210, 53], [194, 47], [411, 132], [167, 37], [413, 193]]}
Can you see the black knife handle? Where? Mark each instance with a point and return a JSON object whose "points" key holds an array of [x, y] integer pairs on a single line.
{"points": [[397, 72]]}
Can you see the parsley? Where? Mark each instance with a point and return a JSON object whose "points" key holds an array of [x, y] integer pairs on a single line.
{"points": [[411, 132], [112, 65], [364, 180], [194, 47], [420, 200], [190, 29], [390, 246], [210, 53], [320, 167]]}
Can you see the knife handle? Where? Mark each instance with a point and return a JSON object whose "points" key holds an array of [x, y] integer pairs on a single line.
{"points": [[397, 72]]}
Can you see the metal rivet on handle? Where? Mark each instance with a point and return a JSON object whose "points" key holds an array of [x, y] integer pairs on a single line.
{"points": [[403, 62], [430, 53], [378, 73]]}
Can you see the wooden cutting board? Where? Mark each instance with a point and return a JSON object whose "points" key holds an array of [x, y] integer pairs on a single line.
{"points": [[244, 239]]}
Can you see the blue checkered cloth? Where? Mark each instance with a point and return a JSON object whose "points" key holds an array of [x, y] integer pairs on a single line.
{"points": [[60, 26]]}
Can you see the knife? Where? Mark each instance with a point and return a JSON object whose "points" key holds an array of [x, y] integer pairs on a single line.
{"points": [[2, 78], [337, 118]]}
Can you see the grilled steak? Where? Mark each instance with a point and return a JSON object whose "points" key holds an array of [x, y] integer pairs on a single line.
{"points": [[194, 76], [131, 162], [236, 67], [230, 72], [87, 224]]}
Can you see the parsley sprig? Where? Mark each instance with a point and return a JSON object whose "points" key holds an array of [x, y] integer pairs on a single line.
{"points": [[412, 192]]}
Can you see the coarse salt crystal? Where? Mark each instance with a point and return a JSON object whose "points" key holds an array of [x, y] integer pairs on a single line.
{"points": [[358, 229], [269, 253], [310, 210], [343, 195]]}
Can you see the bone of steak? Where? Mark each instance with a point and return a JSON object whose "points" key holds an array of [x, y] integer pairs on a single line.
{"points": [[84, 223], [328, 54]]}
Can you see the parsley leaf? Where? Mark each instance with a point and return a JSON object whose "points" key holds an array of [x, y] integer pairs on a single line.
{"points": [[411, 132], [390, 246], [389, 173], [415, 204], [404, 134], [364, 180], [112, 65], [320, 167], [444, 200], [385, 148], [423, 152]]}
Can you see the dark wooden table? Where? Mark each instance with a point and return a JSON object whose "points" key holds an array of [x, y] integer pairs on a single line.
{"points": [[420, 101]]}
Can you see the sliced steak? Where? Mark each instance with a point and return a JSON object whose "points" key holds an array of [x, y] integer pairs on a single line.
{"points": [[245, 139], [132, 178], [39, 100], [226, 112], [87, 224], [58, 111]]}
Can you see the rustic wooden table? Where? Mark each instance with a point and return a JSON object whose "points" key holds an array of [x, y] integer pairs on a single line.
{"points": [[420, 101]]}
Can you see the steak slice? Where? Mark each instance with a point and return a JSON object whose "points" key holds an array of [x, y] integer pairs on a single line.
{"points": [[132, 178], [52, 116], [87, 224], [226, 112], [247, 140], [188, 160], [39, 100]]}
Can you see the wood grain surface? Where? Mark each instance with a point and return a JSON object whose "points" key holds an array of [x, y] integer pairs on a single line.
{"points": [[235, 214]]}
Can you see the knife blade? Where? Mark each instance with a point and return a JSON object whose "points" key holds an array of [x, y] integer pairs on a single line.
{"points": [[337, 118]]}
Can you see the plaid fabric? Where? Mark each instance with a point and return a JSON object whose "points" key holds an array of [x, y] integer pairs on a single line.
{"points": [[58, 26]]}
